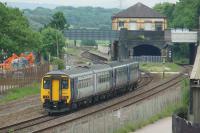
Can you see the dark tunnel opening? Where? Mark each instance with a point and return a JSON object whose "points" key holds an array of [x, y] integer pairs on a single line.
{"points": [[146, 50]]}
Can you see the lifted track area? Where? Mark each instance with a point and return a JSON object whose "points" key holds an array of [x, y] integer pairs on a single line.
{"points": [[93, 57]]}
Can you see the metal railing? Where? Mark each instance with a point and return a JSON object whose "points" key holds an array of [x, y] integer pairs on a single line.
{"points": [[148, 59]]}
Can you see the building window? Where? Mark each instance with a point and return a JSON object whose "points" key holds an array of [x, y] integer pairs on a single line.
{"points": [[133, 26], [158, 26], [148, 26], [121, 24]]}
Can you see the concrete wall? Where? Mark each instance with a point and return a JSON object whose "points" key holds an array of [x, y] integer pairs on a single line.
{"points": [[183, 36], [109, 122], [103, 49]]}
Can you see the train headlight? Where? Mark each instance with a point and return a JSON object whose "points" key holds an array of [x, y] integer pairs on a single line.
{"points": [[46, 97]]}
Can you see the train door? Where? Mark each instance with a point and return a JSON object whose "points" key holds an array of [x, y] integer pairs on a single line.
{"points": [[55, 90]]}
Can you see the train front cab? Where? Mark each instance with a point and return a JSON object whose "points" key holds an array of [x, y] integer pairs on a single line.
{"points": [[56, 93]]}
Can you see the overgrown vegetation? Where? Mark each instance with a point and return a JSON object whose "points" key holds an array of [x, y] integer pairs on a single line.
{"points": [[159, 67], [183, 14], [19, 93], [59, 62]]}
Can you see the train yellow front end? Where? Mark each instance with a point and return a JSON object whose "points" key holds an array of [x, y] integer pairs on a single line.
{"points": [[56, 93]]}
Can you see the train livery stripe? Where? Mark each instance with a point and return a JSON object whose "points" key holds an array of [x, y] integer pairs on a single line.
{"points": [[55, 90]]}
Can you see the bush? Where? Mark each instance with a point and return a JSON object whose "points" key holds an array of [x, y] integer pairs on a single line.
{"points": [[59, 62], [88, 42], [185, 93]]}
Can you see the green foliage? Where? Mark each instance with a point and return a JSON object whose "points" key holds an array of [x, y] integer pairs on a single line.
{"points": [[88, 42], [19, 93], [81, 17], [186, 14], [181, 53], [58, 21], [166, 9], [185, 93], [51, 38], [183, 14], [159, 67], [15, 33], [59, 62]]}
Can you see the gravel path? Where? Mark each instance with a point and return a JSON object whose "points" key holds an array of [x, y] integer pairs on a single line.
{"points": [[20, 110], [161, 126]]}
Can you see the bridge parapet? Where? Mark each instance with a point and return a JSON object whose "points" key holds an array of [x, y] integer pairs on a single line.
{"points": [[195, 75], [181, 36]]}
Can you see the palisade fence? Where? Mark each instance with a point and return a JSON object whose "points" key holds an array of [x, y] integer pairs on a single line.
{"points": [[21, 78], [148, 59], [112, 121]]}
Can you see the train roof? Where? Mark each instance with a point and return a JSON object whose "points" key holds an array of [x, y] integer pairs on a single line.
{"points": [[90, 69], [55, 72], [100, 67], [78, 71]]}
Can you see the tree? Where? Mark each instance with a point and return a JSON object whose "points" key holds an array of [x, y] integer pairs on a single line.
{"points": [[186, 14], [15, 34], [166, 9], [53, 40], [58, 22]]}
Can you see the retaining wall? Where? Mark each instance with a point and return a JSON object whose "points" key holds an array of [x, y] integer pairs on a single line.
{"points": [[181, 125], [109, 122]]}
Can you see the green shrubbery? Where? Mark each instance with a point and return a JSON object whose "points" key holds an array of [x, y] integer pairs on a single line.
{"points": [[59, 62]]}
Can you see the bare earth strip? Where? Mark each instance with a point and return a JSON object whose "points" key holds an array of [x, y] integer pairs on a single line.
{"points": [[20, 110]]}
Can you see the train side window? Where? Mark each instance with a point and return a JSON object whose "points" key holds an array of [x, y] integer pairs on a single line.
{"points": [[64, 84], [47, 84]]}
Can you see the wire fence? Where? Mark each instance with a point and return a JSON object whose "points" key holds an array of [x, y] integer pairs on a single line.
{"points": [[22, 77], [111, 122], [148, 59]]}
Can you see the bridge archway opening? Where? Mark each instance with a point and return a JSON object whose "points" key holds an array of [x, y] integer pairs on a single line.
{"points": [[146, 50]]}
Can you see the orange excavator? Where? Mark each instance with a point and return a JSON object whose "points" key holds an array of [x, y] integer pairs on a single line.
{"points": [[13, 61]]}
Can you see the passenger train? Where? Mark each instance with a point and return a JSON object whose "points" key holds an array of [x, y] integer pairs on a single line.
{"points": [[69, 89]]}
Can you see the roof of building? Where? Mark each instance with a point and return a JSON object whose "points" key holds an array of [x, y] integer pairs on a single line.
{"points": [[138, 10]]}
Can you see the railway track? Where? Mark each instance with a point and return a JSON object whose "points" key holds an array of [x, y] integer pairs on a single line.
{"points": [[94, 58], [46, 123], [120, 102], [28, 125]]}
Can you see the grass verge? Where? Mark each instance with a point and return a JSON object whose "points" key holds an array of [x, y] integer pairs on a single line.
{"points": [[159, 67], [19, 93], [73, 51]]}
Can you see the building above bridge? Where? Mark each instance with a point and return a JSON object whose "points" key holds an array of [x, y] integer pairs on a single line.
{"points": [[139, 17]]}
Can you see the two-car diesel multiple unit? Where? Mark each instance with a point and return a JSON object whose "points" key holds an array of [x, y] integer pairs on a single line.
{"points": [[65, 90]]}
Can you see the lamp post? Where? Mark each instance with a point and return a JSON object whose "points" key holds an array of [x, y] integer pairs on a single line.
{"points": [[163, 67], [57, 50]]}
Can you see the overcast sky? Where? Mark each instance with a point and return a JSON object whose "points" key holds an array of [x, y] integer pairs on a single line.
{"points": [[94, 3]]}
